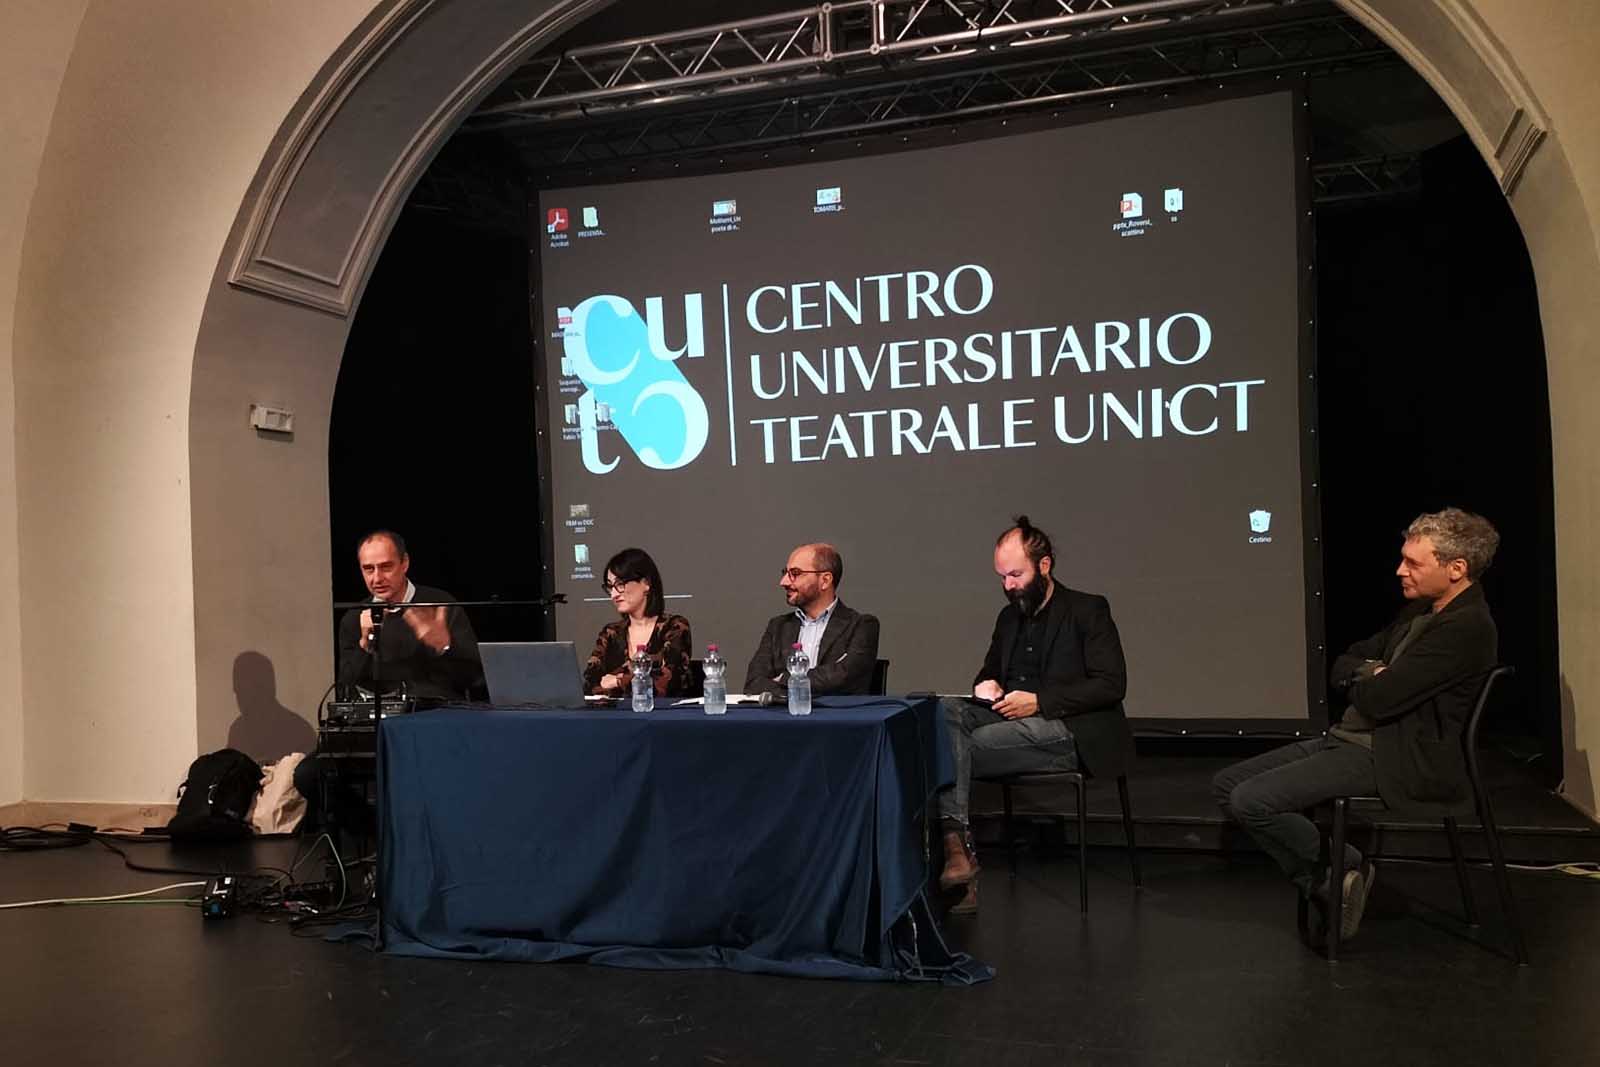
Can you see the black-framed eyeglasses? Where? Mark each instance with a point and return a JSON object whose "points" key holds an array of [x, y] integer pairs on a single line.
{"points": [[794, 573], [612, 587]]}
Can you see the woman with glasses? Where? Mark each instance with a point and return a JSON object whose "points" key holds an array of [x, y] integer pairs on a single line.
{"points": [[634, 585]]}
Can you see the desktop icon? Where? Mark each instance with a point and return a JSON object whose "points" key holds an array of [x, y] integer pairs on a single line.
{"points": [[1132, 205], [556, 220], [723, 208], [577, 511], [1172, 199], [1260, 521], [580, 555], [831, 195], [591, 218]]}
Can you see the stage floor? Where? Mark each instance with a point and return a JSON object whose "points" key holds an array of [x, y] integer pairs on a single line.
{"points": [[1201, 967]]}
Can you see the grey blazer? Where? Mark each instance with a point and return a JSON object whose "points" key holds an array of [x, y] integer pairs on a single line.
{"points": [[846, 654]]}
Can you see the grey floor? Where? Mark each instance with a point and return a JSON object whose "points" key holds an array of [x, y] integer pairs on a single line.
{"points": [[1203, 967]]}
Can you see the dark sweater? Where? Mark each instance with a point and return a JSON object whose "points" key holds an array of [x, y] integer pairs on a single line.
{"points": [[1420, 703], [404, 659]]}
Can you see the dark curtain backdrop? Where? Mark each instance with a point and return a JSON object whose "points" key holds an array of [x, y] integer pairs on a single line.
{"points": [[432, 426], [1433, 393]]}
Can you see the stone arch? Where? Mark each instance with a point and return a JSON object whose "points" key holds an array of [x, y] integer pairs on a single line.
{"points": [[278, 314]]}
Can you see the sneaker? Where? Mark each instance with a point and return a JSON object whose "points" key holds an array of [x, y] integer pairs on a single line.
{"points": [[1357, 887]]}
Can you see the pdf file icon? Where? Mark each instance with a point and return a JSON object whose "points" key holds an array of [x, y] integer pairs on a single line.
{"points": [[556, 220]]}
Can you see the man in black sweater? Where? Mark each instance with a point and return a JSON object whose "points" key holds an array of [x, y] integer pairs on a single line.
{"points": [[1411, 687], [1047, 698], [428, 653]]}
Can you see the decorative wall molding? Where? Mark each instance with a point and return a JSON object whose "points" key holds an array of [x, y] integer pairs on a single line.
{"points": [[1447, 43], [259, 263]]}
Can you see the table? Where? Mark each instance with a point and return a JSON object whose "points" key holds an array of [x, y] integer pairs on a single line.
{"points": [[756, 841]]}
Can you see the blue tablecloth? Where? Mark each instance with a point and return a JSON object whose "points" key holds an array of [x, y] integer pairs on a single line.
{"points": [[756, 841]]}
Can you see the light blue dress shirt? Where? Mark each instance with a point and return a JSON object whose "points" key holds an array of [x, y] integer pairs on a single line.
{"points": [[811, 630]]}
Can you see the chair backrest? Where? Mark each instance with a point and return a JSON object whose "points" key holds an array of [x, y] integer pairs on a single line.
{"points": [[1469, 737]]}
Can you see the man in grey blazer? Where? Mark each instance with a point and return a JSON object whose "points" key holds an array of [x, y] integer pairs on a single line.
{"points": [[841, 643]]}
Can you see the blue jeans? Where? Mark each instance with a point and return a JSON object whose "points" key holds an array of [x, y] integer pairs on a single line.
{"points": [[988, 743], [1266, 794]]}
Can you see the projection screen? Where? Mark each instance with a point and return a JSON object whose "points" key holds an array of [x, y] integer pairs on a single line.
{"points": [[1101, 325]]}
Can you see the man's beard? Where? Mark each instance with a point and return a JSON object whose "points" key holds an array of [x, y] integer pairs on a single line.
{"points": [[1030, 596]]}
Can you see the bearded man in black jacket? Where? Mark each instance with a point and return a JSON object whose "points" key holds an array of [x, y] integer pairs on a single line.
{"points": [[1411, 687], [1047, 698]]}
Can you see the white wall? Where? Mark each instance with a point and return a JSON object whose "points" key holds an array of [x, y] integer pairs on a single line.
{"points": [[35, 40], [1554, 45], [163, 117]]}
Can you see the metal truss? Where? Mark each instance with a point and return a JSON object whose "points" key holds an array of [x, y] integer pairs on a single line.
{"points": [[832, 41], [845, 70], [902, 99], [1365, 179]]}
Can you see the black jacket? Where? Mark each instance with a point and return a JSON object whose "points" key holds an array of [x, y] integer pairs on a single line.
{"points": [[846, 654], [1085, 676], [1421, 704], [425, 673]]}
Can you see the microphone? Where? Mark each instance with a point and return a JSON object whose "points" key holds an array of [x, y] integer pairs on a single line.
{"points": [[768, 699]]}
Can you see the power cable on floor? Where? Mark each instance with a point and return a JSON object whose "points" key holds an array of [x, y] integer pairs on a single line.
{"points": [[113, 899]]}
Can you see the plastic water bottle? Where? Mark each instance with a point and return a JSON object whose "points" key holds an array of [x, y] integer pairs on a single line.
{"points": [[799, 681], [716, 687], [644, 687]]}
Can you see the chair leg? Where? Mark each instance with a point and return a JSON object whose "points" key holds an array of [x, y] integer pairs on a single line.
{"points": [[1341, 807], [1468, 907], [1127, 829], [1508, 904], [1083, 847], [1011, 837]]}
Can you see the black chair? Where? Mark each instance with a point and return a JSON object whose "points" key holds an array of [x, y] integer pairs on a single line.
{"points": [[880, 678], [1336, 846], [1079, 782]]}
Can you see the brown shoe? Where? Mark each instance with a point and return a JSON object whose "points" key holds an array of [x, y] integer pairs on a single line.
{"points": [[960, 865], [968, 904]]}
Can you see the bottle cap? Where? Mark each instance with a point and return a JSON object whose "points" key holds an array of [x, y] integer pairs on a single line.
{"points": [[643, 647], [711, 648], [797, 645]]}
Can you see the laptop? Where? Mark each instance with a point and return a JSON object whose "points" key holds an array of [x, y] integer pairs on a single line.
{"points": [[532, 672]]}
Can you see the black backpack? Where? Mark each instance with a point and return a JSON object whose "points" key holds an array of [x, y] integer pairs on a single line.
{"points": [[214, 800]]}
